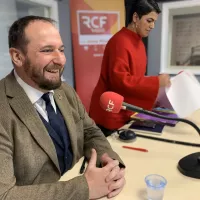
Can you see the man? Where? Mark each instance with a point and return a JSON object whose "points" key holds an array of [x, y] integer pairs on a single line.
{"points": [[44, 129]]}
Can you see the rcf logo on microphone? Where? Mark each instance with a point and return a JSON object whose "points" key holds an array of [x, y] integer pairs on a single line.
{"points": [[110, 106], [94, 27]]}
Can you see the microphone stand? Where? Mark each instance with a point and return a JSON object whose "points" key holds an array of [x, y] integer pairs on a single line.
{"points": [[188, 165]]}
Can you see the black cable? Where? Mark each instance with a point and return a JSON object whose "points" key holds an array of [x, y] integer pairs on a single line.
{"points": [[170, 141], [163, 139]]}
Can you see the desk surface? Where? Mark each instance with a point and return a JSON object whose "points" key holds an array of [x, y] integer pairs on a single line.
{"points": [[162, 159]]}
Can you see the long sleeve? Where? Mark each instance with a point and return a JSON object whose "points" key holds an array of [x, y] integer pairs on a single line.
{"points": [[9, 190], [93, 137], [126, 72]]}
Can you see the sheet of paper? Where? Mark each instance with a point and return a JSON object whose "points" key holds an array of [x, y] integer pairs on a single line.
{"points": [[184, 94], [162, 99]]}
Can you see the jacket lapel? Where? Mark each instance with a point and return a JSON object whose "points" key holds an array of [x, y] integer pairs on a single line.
{"points": [[26, 112], [65, 108]]}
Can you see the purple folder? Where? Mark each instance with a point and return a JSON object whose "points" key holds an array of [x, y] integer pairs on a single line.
{"points": [[142, 117]]}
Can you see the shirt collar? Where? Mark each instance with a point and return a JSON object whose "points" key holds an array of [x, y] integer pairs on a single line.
{"points": [[33, 94]]}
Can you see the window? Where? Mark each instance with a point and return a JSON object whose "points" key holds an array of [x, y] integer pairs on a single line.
{"points": [[180, 45], [11, 10]]}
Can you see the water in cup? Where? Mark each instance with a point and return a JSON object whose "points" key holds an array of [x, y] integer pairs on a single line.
{"points": [[155, 186]]}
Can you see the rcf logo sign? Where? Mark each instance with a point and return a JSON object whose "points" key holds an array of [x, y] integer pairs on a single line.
{"points": [[94, 22]]}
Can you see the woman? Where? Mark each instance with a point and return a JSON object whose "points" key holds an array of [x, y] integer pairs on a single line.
{"points": [[124, 66]]}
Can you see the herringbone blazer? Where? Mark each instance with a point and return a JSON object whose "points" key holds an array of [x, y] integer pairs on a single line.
{"points": [[29, 168]]}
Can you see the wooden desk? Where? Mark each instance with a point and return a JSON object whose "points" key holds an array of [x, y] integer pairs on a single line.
{"points": [[162, 159]]}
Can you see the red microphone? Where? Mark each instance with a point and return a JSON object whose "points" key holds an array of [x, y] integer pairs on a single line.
{"points": [[113, 102]]}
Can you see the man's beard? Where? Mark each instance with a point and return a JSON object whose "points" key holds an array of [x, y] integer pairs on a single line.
{"points": [[36, 76]]}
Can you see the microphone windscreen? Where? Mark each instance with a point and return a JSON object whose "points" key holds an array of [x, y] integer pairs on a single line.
{"points": [[111, 102]]}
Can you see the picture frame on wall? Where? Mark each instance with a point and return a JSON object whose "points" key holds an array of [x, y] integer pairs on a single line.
{"points": [[180, 37]]}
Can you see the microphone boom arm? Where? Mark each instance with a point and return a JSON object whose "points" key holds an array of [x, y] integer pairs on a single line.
{"points": [[189, 165], [127, 106]]}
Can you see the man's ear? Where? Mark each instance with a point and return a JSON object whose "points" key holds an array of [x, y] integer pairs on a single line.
{"points": [[17, 57]]}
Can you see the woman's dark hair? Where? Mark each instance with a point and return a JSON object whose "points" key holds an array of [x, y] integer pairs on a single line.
{"points": [[16, 37], [141, 7]]}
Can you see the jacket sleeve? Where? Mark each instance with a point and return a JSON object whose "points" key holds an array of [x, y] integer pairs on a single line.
{"points": [[127, 83], [9, 190], [94, 138]]}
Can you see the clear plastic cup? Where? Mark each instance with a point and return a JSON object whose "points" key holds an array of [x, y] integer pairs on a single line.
{"points": [[155, 186]]}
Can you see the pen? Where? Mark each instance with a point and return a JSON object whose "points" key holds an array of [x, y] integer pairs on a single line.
{"points": [[134, 148], [82, 169]]}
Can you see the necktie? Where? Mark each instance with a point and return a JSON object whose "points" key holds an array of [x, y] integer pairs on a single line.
{"points": [[54, 119], [50, 111], [59, 135]]}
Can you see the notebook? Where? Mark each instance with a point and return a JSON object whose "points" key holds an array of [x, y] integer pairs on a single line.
{"points": [[147, 127], [157, 120]]}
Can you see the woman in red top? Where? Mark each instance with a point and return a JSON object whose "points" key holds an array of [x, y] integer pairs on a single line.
{"points": [[124, 66]]}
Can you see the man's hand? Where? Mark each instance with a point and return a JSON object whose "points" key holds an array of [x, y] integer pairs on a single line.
{"points": [[96, 177], [115, 178]]}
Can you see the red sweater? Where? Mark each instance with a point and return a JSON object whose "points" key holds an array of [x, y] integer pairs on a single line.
{"points": [[123, 71]]}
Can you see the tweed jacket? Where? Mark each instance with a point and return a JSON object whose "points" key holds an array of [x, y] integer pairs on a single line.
{"points": [[29, 168]]}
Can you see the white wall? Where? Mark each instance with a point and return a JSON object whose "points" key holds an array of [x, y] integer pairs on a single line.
{"points": [[7, 19], [65, 31]]}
